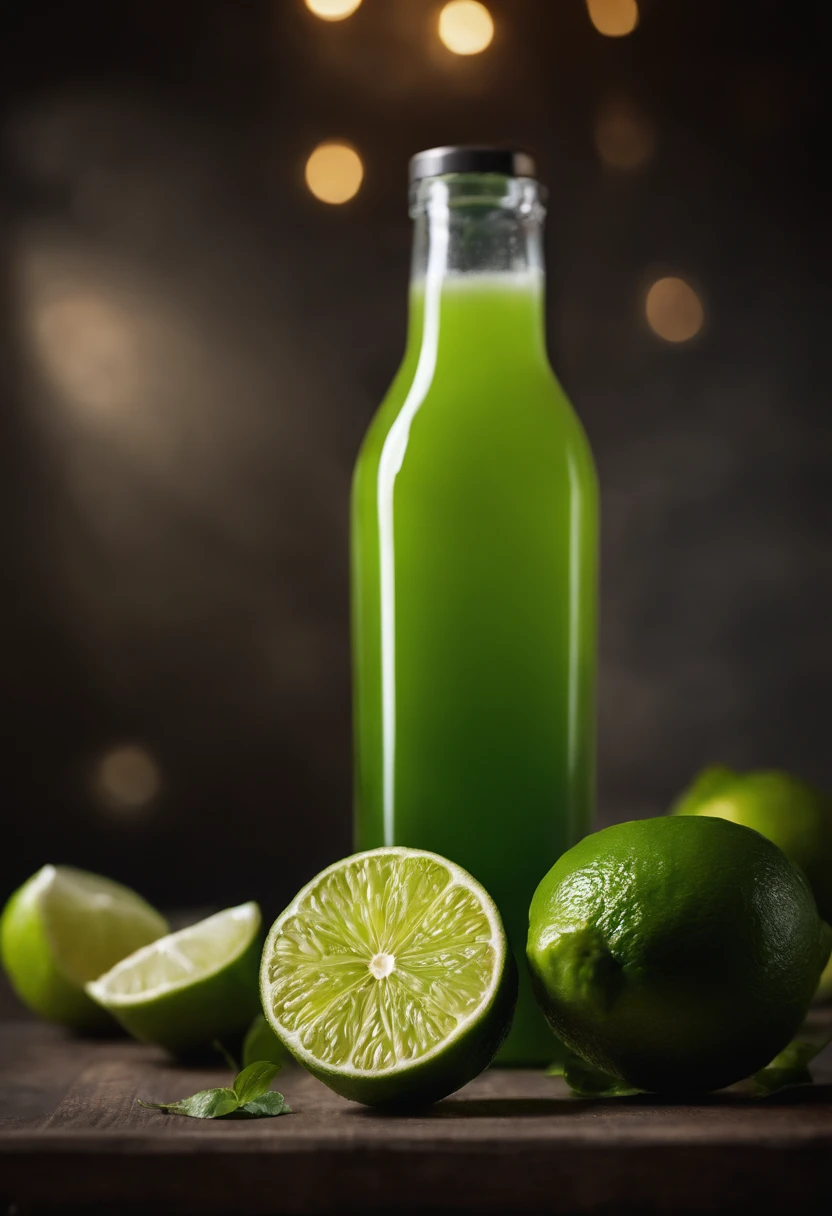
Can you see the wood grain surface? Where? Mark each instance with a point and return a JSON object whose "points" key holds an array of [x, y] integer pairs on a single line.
{"points": [[72, 1138]]}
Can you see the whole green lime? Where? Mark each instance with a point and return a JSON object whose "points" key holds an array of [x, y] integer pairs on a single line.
{"points": [[676, 954], [797, 817]]}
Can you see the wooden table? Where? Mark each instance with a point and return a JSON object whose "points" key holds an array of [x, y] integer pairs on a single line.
{"points": [[73, 1138]]}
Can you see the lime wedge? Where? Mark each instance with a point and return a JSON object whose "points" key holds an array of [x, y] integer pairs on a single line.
{"points": [[64, 927], [389, 977], [191, 987]]}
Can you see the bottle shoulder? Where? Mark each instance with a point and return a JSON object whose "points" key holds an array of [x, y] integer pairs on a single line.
{"points": [[531, 445], [521, 402]]}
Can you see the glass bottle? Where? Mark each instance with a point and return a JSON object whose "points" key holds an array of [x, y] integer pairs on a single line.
{"points": [[474, 543]]}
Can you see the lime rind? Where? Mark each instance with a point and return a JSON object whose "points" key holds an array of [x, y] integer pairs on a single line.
{"points": [[385, 972], [189, 956]]}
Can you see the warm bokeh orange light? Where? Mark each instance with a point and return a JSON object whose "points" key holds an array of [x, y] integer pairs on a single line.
{"points": [[624, 137], [466, 27], [332, 10], [89, 348], [674, 310], [127, 778], [334, 173], [613, 18]]}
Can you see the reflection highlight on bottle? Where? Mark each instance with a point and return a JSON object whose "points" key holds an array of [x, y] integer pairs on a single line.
{"points": [[390, 463]]}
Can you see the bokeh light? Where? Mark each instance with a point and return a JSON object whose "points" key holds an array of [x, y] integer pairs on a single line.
{"points": [[613, 18], [127, 778], [466, 27], [332, 10], [674, 310], [334, 173], [88, 346], [624, 137]]}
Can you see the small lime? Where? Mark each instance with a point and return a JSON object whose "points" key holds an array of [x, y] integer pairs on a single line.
{"points": [[797, 817]]}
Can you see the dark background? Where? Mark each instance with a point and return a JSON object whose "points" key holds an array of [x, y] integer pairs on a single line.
{"points": [[191, 347]]}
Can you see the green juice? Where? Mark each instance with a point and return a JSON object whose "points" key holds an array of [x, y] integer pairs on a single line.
{"points": [[474, 521]]}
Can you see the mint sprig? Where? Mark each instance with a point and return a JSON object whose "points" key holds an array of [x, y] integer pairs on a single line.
{"points": [[207, 1104], [254, 1081], [250, 1096], [268, 1104]]}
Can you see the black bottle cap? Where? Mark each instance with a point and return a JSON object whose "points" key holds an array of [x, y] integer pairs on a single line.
{"points": [[438, 161]]}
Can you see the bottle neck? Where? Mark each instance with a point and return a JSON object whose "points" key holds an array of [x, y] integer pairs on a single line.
{"points": [[478, 279]]}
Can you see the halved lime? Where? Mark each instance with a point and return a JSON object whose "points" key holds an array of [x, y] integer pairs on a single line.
{"points": [[191, 987], [62, 928], [389, 977]]}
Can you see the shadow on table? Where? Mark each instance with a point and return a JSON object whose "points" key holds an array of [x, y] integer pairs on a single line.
{"points": [[480, 1108], [539, 1108], [504, 1108]]}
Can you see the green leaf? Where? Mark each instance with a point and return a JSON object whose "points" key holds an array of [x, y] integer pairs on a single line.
{"points": [[271, 1103], [250, 1097], [790, 1067], [207, 1104], [254, 1080], [586, 1081]]}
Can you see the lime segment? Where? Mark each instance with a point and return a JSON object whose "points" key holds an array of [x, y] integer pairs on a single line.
{"points": [[190, 987], [389, 977], [65, 927]]}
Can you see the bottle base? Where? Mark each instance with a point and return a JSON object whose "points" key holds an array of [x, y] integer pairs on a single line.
{"points": [[530, 1042]]}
